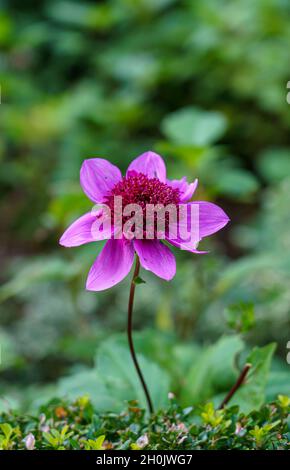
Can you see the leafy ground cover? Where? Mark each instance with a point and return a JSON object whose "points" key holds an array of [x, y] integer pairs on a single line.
{"points": [[77, 425], [205, 85]]}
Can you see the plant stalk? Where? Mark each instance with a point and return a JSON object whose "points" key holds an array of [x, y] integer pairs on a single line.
{"points": [[237, 385], [130, 338]]}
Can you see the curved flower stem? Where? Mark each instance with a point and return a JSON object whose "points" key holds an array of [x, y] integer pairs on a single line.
{"points": [[130, 338]]}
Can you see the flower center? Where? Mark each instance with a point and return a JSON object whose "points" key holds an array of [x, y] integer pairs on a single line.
{"points": [[137, 188]]}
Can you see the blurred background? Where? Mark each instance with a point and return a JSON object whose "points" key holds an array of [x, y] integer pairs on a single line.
{"points": [[201, 83]]}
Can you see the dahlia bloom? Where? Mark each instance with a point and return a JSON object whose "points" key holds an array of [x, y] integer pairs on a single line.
{"points": [[145, 183]]}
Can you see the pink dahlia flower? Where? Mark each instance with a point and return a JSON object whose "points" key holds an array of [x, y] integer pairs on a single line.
{"points": [[145, 184]]}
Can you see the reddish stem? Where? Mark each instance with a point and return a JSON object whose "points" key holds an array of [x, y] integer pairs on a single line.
{"points": [[237, 385], [130, 338]]}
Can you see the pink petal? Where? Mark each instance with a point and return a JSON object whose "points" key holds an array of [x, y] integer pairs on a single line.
{"points": [[111, 266], [184, 232], [156, 257], [208, 219], [211, 218], [82, 231], [186, 189], [150, 164], [98, 177]]}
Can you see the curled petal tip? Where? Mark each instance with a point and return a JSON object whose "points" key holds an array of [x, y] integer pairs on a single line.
{"points": [[151, 164]]}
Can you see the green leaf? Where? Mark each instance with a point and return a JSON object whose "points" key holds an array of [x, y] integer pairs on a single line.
{"points": [[88, 382], [236, 182], [7, 430], [278, 383], [251, 395], [138, 280], [97, 444], [240, 316], [274, 164], [115, 366], [193, 126], [114, 381], [212, 370]]}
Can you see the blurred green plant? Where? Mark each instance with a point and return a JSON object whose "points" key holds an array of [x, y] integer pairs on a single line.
{"points": [[206, 86], [193, 373], [240, 317]]}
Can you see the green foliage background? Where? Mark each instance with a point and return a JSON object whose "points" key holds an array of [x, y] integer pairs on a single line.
{"points": [[202, 83]]}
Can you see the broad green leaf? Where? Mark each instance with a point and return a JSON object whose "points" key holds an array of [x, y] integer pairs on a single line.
{"points": [[252, 395], [88, 382], [274, 164], [114, 381], [115, 366], [278, 383], [212, 370], [193, 126], [237, 183]]}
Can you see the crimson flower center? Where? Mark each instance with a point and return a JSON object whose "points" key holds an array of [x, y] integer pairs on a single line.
{"points": [[137, 188]]}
